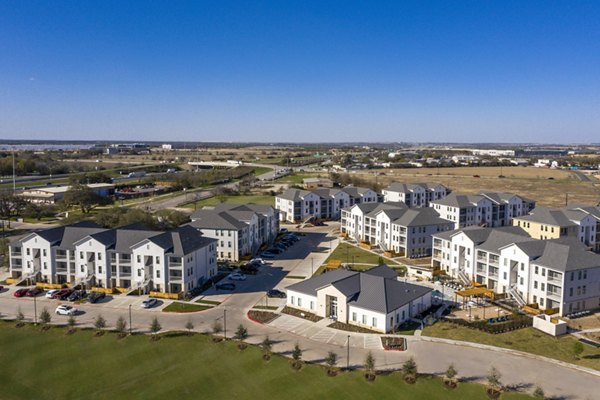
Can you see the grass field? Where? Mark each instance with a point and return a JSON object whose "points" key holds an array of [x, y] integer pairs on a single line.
{"points": [[529, 340], [527, 181], [179, 307], [297, 178], [53, 365], [345, 253], [212, 201], [262, 170]]}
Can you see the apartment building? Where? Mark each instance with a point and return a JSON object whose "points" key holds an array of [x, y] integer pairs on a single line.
{"points": [[240, 230], [296, 205], [415, 194], [128, 257], [394, 227], [486, 209], [557, 274], [374, 299], [545, 223]]}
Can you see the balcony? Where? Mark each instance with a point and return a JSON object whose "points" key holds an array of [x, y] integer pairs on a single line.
{"points": [[555, 295]]}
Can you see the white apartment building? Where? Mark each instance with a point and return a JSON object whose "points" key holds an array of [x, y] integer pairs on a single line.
{"points": [[415, 194], [558, 274], [240, 230], [296, 205], [394, 227], [486, 209], [128, 257]]}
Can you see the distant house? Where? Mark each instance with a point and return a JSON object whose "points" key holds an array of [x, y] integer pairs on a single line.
{"points": [[54, 194], [314, 183], [374, 299]]}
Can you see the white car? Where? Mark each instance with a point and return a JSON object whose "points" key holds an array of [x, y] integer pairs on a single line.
{"points": [[51, 293], [64, 309], [258, 261], [237, 277]]}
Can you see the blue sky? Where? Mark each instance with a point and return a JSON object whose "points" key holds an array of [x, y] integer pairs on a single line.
{"points": [[309, 71]]}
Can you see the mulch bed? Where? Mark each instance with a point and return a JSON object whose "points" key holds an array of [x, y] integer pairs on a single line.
{"points": [[393, 343], [301, 314], [350, 328], [262, 317], [493, 393], [98, 333]]}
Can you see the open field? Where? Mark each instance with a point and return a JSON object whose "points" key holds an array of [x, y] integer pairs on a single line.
{"points": [[296, 178], [212, 201], [347, 253], [527, 181], [53, 365], [529, 340]]}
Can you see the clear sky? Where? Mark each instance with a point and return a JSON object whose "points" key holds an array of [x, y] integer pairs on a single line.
{"points": [[309, 71]]}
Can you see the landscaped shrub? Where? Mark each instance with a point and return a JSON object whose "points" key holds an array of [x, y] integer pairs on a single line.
{"points": [[512, 324]]}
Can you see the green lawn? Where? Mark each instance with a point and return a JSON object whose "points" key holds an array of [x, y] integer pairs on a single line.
{"points": [[262, 170], [177, 306], [53, 365], [529, 339], [268, 200], [364, 259], [297, 178]]}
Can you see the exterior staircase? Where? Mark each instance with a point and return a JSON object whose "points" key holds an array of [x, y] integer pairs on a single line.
{"points": [[463, 278], [514, 293]]}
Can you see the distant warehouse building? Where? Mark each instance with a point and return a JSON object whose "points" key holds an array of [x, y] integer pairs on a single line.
{"points": [[54, 194]]}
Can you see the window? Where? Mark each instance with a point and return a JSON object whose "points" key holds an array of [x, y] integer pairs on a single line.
{"points": [[570, 291], [572, 276], [312, 305], [299, 301], [534, 298], [536, 269], [354, 316], [542, 301], [364, 319], [292, 299], [543, 271], [99, 256], [28, 251], [99, 269], [44, 252], [535, 286], [81, 268], [158, 273], [583, 288], [578, 275], [157, 258], [139, 258], [543, 286], [578, 290], [521, 280], [80, 254], [374, 322], [585, 274], [522, 266], [45, 265]]}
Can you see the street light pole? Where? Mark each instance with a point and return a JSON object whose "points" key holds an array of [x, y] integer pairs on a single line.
{"points": [[312, 267], [225, 324], [130, 320], [348, 354], [35, 310]]}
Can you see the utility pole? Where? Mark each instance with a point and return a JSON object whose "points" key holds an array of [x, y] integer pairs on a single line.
{"points": [[35, 310], [225, 324], [130, 320], [348, 354], [566, 199]]}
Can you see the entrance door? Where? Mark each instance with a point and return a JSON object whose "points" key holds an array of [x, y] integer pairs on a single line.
{"points": [[333, 307]]}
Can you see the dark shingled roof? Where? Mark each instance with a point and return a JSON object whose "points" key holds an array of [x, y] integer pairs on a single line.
{"points": [[211, 219], [567, 254], [549, 216], [458, 200], [181, 241]]}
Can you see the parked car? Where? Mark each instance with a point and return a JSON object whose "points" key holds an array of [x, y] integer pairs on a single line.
{"points": [[268, 254], [62, 294], [21, 292], [51, 293], [283, 230], [275, 250], [65, 309], [236, 276], [276, 293], [226, 286], [1, 288], [258, 261], [34, 291], [149, 303], [76, 295], [95, 297]]}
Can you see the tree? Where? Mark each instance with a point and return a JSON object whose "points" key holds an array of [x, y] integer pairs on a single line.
{"points": [[450, 373], [83, 197], [331, 361], [241, 333], [493, 379], [577, 349], [297, 353], [409, 369], [71, 322], [121, 325], [538, 393], [189, 326], [155, 326], [99, 323], [369, 363], [20, 315], [45, 317], [217, 327], [267, 346]]}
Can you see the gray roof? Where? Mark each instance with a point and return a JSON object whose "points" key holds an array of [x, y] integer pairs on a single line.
{"points": [[257, 208], [421, 217], [549, 216], [458, 200], [294, 194], [377, 289], [499, 238], [499, 197], [410, 187], [211, 219], [567, 254], [326, 192], [126, 238], [591, 210], [181, 241], [355, 191]]}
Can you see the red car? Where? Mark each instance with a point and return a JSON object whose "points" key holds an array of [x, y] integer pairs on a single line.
{"points": [[21, 292], [62, 294], [33, 292]]}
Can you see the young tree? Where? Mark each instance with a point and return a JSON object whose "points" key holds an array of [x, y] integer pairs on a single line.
{"points": [[217, 327], [369, 363], [267, 346], [538, 393], [99, 323], [493, 379], [450, 373], [409, 369], [241, 333], [71, 322], [577, 349], [297, 354], [20, 315], [331, 361], [45, 317], [189, 326], [155, 326], [121, 325]]}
